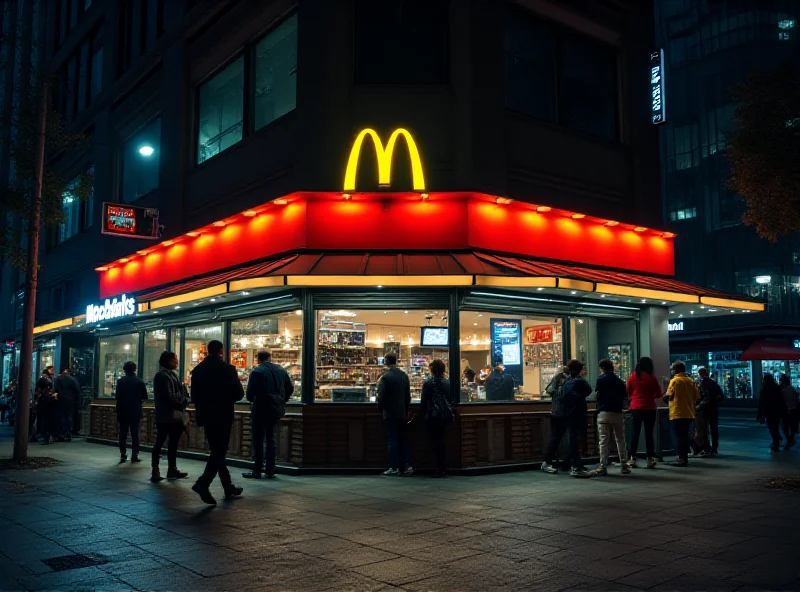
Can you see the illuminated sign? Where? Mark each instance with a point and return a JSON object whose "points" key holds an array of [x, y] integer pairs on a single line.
{"points": [[111, 309], [675, 326], [131, 221], [539, 335], [658, 108], [506, 337], [384, 156]]}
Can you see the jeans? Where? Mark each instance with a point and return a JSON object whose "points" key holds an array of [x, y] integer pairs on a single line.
{"points": [[558, 427], [436, 434], [263, 428], [218, 437], [399, 446], [681, 427], [648, 418], [132, 426], [172, 431], [66, 421], [611, 424], [712, 416]]}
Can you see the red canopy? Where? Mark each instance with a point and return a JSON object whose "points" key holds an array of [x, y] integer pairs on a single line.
{"points": [[768, 349]]}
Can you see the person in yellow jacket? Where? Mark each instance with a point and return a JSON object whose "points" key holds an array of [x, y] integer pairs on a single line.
{"points": [[682, 394]]}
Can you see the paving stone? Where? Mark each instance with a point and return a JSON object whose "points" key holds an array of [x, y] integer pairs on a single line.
{"points": [[397, 572]]}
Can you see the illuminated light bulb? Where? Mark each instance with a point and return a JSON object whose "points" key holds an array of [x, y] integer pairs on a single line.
{"points": [[639, 229], [248, 213], [668, 235], [298, 312], [146, 150], [243, 341], [280, 202], [578, 216], [101, 268], [221, 223], [143, 252], [424, 196], [168, 243], [124, 260], [193, 234], [544, 209], [346, 195], [612, 223], [504, 200]]}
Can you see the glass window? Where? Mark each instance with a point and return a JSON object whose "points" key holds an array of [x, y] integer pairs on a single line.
{"points": [[530, 48], [734, 376], [71, 207], [352, 346], [221, 108], [47, 356], [96, 82], [70, 84], [195, 348], [83, 76], [88, 204], [155, 342], [617, 341], [686, 146], [528, 347], [114, 352], [140, 162], [281, 334], [276, 73]]}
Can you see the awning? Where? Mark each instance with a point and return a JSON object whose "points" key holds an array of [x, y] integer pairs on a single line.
{"points": [[771, 349]]}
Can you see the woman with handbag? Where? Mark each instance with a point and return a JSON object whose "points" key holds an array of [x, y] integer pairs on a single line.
{"points": [[170, 405], [436, 409]]}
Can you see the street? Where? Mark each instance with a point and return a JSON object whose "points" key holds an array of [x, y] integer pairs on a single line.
{"points": [[705, 527]]}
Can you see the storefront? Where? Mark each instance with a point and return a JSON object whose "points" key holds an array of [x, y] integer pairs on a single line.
{"points": [[331, 283]]}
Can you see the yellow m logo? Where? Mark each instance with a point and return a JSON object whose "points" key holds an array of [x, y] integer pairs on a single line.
{"points": [[384, 159]]}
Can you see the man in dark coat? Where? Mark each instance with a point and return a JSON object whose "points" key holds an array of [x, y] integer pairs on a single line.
{"points": [[499, 385], [394, 400], [130, 393], [68, 393], [710, 398], [215, 390], [268, 389]]}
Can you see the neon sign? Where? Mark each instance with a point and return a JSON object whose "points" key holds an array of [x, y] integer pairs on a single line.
{"points": [[384, 156], [658, 109], [675, 326], [111, 309], [130, 221]]}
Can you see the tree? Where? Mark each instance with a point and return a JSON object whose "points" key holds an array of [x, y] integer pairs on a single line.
{"points": [[764, 150]]}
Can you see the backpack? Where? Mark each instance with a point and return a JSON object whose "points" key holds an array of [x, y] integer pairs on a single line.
{"points": [[439, 410]]}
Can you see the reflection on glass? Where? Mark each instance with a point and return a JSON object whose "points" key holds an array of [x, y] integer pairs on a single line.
{"points": [[47, 354], [114, 352], [155, 342], [733, 375], [281, 334], [195, 348], [352, 345]]}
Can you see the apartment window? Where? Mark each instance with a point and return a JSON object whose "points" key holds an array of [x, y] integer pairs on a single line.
{"points": [[559, 76], [686, 146], [141, 23], [221, 111], [276, 73], [96, 71], [253, 91], [140, 159], [81, 80], [88, 203], [71, 208], [68, 13], [400, 42], [713, 132], [682, 214]]}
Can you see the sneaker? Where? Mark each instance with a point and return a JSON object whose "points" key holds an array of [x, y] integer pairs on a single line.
{"points": [[409, 471], [632, 464], [155, 477], [704, 454], [204, 494], [625, 470], [548, 468], [136, 459], [651, 463], [231, 491], [391, 472], [123, 458], [175, 473], [579, 472], [251, 475], [600, 471]]}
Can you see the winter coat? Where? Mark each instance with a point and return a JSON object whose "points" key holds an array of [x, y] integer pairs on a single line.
{"points": [[429, 391], [611, 393], [130, 393], [572, 401], [771, 403], [643, 391], [170, 397], [499, 387], [215, 389], [394, 394], [268, 380]]}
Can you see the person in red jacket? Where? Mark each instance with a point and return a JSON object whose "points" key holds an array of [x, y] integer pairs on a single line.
{"points": [[643, 390]]}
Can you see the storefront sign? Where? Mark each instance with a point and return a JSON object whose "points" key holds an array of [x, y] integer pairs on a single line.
{"points": [[112, 309], [507, 346], [675, 326], [384, 157], [658, 109], [131, 221], [539, 335]]}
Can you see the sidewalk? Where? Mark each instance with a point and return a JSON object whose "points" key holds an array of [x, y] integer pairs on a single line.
{"points": [[706, 527]]}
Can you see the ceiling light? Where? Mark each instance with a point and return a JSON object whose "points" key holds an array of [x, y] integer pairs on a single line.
{"points": [[644, 300], [504, 200], [476, 324], [663, 302], [280, 202], [143, 252], [168, 243], [298, 312], [602, 295], [177, 307], [540, 289], [193, 234], [248, 213], [101, 268], [574, 292], [691, 312], [124, 260], [544, 209], [146, 150], [220, 223], [406, 312], [380, 286], [578, 216], [639, 229], [763, 279], [424, 196], [213, 299], [346, 195], [245, 293], [612, 223], [672, 312], [712, 310], [668, 235]]}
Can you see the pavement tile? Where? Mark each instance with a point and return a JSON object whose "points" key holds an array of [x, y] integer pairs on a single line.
{"points": [[524, 532], [654, 557], [606, 569], [362, 555], [652, 576], [398, 572]]}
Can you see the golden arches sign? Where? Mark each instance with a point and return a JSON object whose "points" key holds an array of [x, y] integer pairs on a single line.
{"points": [[384, 156]]}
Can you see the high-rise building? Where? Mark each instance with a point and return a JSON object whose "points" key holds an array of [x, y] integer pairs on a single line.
{"points": [[709, 46]]}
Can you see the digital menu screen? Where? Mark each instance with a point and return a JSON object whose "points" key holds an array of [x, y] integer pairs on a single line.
{"points": [[506, 336], [434, 337]]}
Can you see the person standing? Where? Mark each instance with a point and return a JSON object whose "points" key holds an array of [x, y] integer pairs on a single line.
{"points": [[772, 409], [792, 404], [710, 398], [170, 405], [394, 400], [68, 392], [499, 385], [611, 393], [568, 415], [643, 390], [436, 408], [215, 390], [46, 410], [682, 395], [268, 389], [129, 394]]}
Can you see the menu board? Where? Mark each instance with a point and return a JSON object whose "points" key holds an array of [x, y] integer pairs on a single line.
{"points": [[506, 336]]}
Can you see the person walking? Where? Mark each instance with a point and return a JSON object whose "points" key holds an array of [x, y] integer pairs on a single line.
{"points": [[772, 409], [792, 404], [611, 394], [170, 405], [68, 391], [129, 394], [436, 408], [643, 390], [568, 415], [394, 400], [268, 389], [499, 385], [682, 395], [215, 390]]}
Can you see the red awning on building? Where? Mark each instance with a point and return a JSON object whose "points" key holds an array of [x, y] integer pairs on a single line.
{"points": [[771, 349]]}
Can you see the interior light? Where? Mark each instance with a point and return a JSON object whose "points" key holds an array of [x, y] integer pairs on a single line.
{"points": [[280, 202], [668, 235], [691, 312], [539, 289], [213, 299], [406, 312], [193, 234], [763, 279], [168, 243], [298, 312], [101, 268], [672, 312], [644, 300], [146, 150], [221, 223], [380, 286], [602, 295], [124, 260], [664, 302], [612, 223], [544, 209], [578, 216], [639, 229], [504, 200], [476, 324], [245, 293], [573, 292], [248, 213], [143, 252], [177, 306], [712, 310]]}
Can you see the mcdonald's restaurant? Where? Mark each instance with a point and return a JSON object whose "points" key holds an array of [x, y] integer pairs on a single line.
{"points": [[333, 282]]}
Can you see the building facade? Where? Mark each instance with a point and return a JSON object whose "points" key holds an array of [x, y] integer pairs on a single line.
{"points": [[709, 46]]}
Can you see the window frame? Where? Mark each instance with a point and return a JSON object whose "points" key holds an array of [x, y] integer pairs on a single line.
{"points": [[121, 160]]}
